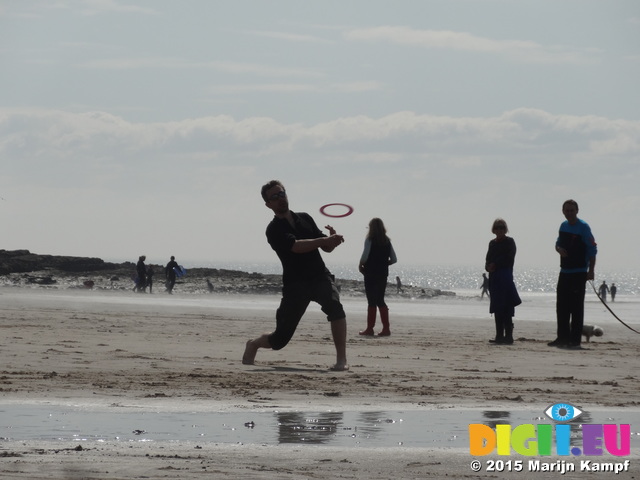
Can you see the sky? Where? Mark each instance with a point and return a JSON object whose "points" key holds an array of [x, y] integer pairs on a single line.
{"points": [[148, 127]]}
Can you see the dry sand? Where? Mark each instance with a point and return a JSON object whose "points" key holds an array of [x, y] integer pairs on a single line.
{"points": [[183, 353]]}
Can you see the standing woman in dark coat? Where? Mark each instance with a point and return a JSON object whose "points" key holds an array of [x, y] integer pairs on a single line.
{"points": [[504, 296], [374, 264], [141, 270]]}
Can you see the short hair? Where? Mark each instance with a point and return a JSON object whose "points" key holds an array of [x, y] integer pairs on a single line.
{"points": [[570, 202], [269, 186], [497, 222]]}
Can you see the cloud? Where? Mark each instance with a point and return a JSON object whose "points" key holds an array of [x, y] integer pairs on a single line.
{"points": [[255, 69], [289, 37], [39, 141], [293, 88], [98, 7], [82, 7], [517, 50]]}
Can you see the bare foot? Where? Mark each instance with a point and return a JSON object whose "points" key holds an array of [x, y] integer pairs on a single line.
{"points": [[338, 367], [250, 351]]}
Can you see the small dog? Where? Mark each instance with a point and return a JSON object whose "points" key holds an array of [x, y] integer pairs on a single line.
{"points": [[589, 331]]}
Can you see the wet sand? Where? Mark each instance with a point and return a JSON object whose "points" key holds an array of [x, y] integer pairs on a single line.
{"points": [[184, 354]]}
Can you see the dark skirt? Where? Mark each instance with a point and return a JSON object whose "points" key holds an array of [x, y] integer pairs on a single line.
{"points": [[504, 295]]}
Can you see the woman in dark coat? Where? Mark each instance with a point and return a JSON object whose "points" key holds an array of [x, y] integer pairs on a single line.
{"points": [[504, 296]]}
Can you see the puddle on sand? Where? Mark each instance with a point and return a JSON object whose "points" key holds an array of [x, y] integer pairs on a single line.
{"points": [[426, 428]]}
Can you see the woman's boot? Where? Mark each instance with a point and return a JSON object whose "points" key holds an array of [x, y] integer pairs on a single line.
{"points": [[384, 318], [508, 332], [371, 321], [499, 330]]}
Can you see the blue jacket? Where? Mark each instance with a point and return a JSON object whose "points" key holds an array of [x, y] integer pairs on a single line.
{"points": [[580, 245]]}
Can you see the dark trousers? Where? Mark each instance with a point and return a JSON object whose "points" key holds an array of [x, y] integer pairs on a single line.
{"points": [[570, 306], [296, 297], [375, 287]]}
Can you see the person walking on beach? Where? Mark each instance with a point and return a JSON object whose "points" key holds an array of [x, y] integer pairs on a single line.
{"points": [[577, 249], [141, 271], [399, 285], [603, 289], [170, 274], [376, 257], [150, 273], [503, 295], [297, 240], [614, 290], [485, 286]]}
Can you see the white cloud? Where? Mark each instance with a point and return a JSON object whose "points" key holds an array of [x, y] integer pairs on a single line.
{"points": [[518, 50], [293, 88], [255, 69], [98, 7], [289, 37], [98, 136]]}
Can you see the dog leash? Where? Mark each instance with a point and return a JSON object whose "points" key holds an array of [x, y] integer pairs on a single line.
{"points": [[608, 308]]}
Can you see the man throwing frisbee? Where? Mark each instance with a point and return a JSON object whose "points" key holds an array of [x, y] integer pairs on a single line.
{"points": [[305, 278]]}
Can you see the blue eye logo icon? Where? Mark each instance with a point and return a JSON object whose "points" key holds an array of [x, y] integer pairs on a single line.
{"points": [[562, 412]]}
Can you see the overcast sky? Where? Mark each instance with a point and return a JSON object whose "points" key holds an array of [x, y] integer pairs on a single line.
{"points": [[131, 127]]}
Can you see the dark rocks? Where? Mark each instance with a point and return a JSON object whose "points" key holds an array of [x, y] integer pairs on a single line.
{"points": [[23, 268], [19, 261]]}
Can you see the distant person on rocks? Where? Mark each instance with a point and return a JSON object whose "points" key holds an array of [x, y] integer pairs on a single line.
{"points": [[374, 263], [614, 290], [399, 286], [209, 286], [297, 240], [503, 296], [150, 273], [170, 274], [577, 249], [141, 272], [485, 286], [603, 289]]}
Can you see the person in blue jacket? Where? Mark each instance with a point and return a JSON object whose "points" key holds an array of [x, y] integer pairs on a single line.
{"points": [[503, 295], [577, 249]]}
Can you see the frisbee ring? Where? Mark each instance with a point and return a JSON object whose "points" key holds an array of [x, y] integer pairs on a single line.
{"points": [[348, 212]]}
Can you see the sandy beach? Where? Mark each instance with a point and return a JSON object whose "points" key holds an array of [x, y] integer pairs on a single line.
{"points": [[122, 350]]}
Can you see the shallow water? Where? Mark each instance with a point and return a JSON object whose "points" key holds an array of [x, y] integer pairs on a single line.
{"points": [[432, 428]]}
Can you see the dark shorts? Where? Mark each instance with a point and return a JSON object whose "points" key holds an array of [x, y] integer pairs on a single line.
{"points": [[296, 297]]}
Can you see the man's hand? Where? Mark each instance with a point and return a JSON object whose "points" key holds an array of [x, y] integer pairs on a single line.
{"points": [[332, 230], [333, 241], [562, 252]]}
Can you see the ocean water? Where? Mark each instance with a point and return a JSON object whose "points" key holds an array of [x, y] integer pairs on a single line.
{"points": [[463, 280]]}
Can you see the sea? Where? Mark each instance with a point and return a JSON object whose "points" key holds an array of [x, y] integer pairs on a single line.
{"points": [[462, 280]]}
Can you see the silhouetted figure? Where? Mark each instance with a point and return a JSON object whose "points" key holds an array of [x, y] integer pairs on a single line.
{"points": [[613, 290], [399, 285], [141, 271], [209, 286], [485, 286], [577, 249], [150, 273], [603, 289], [170, 274], [504, 297], [296, 239], [374, 263]]}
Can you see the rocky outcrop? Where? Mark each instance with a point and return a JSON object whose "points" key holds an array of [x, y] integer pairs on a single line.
{"points": [[20, 261], [23, 268]]}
